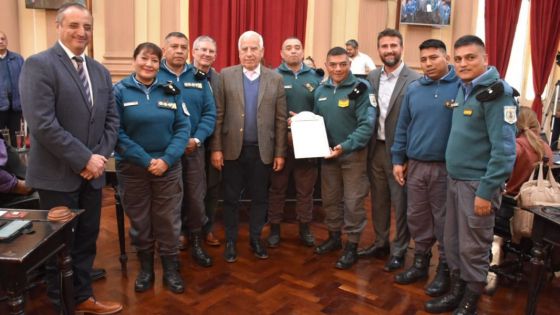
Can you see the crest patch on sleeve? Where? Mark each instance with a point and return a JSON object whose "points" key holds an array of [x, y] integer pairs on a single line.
{"points": [[510, 114]]}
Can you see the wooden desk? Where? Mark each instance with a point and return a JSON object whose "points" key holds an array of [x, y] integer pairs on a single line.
{"points": [[546, 236], [28, 251]]}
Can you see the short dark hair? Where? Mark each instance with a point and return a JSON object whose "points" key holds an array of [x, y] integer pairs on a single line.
{"points": [[177, 34], [336, 51], [433, 43], [389, 32], [468, 40], [352, 42], [66, 6], [150, 48]]}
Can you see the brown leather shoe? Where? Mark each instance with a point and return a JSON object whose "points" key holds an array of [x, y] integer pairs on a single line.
{"points": [[211, 240], [92, 306]]}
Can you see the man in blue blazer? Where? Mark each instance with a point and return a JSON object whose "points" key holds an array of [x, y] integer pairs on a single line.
{"points": [[68, 103]]}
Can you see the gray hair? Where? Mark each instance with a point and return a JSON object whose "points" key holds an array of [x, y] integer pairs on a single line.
{"points": [[249, 34], [63, 8], [203, 38]]}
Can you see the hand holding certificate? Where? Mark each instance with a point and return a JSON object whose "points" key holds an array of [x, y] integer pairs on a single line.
{"points": [[309, 136]]}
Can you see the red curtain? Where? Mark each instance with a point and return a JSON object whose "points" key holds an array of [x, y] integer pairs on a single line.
{"points": [[545, 34], [500, 18], [226, 20]]}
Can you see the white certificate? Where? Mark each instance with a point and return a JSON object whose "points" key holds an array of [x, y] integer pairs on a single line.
{"points": [[309, 136]]}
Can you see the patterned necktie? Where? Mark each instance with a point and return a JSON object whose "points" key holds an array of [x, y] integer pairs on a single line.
{"points": [[82, 73]]}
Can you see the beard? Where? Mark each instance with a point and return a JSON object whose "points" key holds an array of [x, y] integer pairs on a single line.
{"points": [[391, 62]]}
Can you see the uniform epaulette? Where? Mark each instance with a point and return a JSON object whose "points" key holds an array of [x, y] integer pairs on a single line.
{"points": [[199, 75], [491, 93], [359, 89]]}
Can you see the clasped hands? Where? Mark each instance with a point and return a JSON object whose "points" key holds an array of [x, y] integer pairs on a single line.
{"points": [[94, 167]]}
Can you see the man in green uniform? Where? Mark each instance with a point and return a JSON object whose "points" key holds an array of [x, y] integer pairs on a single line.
{"points": [[348, 108]]}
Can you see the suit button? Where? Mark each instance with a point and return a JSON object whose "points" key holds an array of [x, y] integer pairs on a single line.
{"points": [[92, 121], [241, 129]]}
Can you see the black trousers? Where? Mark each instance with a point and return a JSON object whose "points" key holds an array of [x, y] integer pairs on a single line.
{"points": [[249, 173], [83, 248], [11, 119]]}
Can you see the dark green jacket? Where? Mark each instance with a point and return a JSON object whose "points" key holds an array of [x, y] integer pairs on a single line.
{"points": [[348, 122], [299, 87]]}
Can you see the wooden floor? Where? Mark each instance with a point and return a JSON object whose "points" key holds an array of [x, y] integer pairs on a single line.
{"points": [[292, 281]]}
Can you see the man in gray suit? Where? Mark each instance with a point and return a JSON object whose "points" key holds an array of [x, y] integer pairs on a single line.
{"points": [[249, 139], [389, 84], [68, 103]]}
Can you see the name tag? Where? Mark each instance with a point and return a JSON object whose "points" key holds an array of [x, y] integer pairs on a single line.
{"points": [[288, 86], [167, 105], [322, 99], [193, 85], [130, 103]]}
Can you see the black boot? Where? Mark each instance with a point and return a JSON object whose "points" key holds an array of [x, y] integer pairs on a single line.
{"points": [[449, 301], [274, 237], [349, 256], [171, 277], [331, 244], [305, 235], [440, 284], [145, 278], [468, 303], [418, 270], [197, 251]]}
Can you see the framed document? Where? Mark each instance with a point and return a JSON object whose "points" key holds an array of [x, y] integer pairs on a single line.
{"points": [[309, 136]]}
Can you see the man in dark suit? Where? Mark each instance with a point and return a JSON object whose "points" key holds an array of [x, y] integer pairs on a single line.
{"points": [[249, 139], [68, 102], [389, 84]]}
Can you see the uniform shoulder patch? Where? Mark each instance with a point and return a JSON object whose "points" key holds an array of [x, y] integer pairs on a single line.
{"points": [[510, 114], [491, 93], [372, 100], [185, 110]]}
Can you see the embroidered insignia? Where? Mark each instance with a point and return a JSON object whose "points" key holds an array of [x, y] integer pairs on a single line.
{"points": [[510, 114], [130, 103], [451, 104], [195, 85], [467, 112], [167, 105], [343, 103], [309, 87], [372, 100]]}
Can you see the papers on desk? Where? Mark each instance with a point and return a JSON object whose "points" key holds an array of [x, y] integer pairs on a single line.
{"points": [[309, 136]]}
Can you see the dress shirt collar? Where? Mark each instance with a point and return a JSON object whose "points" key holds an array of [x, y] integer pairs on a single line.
{"points": [[395, 73], [257, 71], [4, 55], [70, 53]]}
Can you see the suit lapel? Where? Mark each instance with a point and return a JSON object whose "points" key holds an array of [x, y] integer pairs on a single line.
{"points": [[69, 66], [262, 85], [239, 88], [401, 80]]}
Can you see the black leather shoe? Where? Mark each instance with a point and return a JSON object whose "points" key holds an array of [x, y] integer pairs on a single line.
{"points": [[374, 251], [145, 278], [230, 253], [468, 304], [418, 270], [274, 237], [349, 256], [394, 263], [441, 282], [258, 249], [171, 276], [330, 245], [197, 251], [305, 235], [449, 301], [97, 273]]}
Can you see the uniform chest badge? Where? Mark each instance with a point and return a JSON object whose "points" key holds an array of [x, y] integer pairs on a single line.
{"points": [[130, 103], [451, 104], [510, 114], [467, 112], [309, 87], [343, 103], [289, 86], [322, 99], [193, 85], [167, 105]]}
